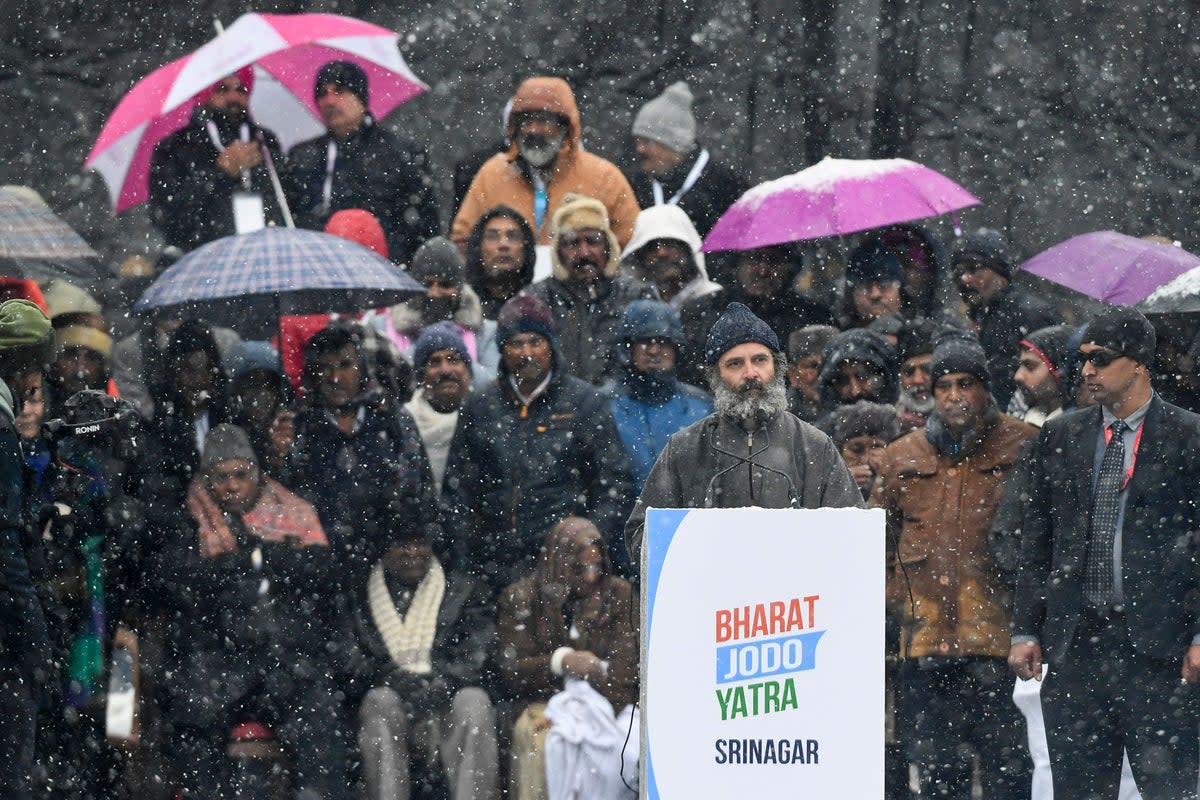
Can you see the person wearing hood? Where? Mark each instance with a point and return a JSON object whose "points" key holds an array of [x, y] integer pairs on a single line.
{"points": [[858, 364], [674, 170], [544, 163], [442, 364], [196, 171], [665, 253], [26, 345], [941, 487], [260, 397], [568, 617], [357, 163], [535, 446], [500, 257], [928, 289], [438, 266], [874, 279], [1001, 312], [751, 426], [354, 449], [860, 432], [649, 403], [586, 294]]}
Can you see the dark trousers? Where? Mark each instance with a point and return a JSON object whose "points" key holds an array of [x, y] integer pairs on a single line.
{"points": [[952, 706], [305, 718], [1101, 697], [18, 722]]}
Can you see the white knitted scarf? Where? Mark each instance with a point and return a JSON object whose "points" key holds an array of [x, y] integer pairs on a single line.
{"points": [[408, 639]]}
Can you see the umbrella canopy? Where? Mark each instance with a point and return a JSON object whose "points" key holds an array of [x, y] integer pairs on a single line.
{"points": [[286, 50], [1111, 266], [246, 282], [1179, 296], [30, 230], [833, 197]]}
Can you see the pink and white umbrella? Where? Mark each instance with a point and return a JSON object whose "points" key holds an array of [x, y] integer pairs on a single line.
{"points": [[286, 50], [835, 196]]}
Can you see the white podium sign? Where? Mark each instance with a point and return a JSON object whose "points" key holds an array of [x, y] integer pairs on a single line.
{"points": [[763, 653]]}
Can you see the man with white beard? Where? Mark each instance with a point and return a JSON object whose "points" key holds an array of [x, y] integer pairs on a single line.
{"points": [[544, 163], [752, 451]]}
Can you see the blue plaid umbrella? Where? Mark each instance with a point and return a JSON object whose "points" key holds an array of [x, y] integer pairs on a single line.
{"points": [[246, 282]]}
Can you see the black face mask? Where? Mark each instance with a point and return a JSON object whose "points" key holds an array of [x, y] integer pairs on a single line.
{"points": [[438, 309]]}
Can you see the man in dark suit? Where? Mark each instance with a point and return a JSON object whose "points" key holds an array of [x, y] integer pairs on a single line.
{"points": [[1109, 577]]}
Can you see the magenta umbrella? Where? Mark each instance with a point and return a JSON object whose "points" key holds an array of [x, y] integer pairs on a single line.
{"points": [[1111, 266], [833, 197], [286, 50]]}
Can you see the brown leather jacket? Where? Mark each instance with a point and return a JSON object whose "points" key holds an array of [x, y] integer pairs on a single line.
{"points": [[939, 512]]}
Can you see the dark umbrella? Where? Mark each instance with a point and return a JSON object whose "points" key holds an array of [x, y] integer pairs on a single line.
{"points": [[247, 282]]}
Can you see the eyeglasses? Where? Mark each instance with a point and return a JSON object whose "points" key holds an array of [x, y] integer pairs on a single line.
{"points": [[592, 239], [495, 235], [909, 370], [1099, 358]]}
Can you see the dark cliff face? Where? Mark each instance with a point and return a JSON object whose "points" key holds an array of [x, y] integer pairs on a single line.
{"points": [[1063, 117]]}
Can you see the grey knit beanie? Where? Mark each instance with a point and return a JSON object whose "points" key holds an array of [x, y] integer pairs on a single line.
{"points": [[668, 120], [226, 442]]}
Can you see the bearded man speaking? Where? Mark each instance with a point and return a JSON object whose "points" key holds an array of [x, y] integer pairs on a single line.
{"points": [[751, 451]]}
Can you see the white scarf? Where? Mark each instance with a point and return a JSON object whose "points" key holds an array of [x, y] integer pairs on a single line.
{"points": [[436, 430], [408, 639]]}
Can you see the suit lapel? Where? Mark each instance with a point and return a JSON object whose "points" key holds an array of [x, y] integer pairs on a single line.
{"points": [[1151, 455], [1081, 460]]}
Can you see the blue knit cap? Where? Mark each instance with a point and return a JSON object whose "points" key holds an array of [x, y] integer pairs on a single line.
{"points": [[738, 325], [439, 336]]}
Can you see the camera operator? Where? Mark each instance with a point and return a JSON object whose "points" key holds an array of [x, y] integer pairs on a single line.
{"points": [[26, 343]]}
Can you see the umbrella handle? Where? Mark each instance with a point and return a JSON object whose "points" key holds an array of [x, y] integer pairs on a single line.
{"points": [[275, 184]]}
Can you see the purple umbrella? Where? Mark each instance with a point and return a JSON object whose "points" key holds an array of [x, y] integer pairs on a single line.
{"points": [[1111, 266], [835, 196]]}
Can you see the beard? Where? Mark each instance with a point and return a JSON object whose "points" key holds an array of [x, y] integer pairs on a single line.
{"points": [[540, 151], [908, 401], [752, 399], [437, 309]]}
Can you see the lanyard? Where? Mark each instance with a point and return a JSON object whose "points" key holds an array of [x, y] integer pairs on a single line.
{"points": [[215, 136], [330, 163], [1137, 442], [688, 182], [541, 200]]}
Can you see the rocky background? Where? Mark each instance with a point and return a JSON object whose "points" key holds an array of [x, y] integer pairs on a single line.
{"points": [[1063, 116]]}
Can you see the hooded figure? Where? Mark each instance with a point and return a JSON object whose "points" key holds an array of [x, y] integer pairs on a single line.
{"points": [[587, 308], [676, 283], [860, 346], [928, 289], [569, 617], [439, 267], [509, 179], [649, 403], [495, 288]]}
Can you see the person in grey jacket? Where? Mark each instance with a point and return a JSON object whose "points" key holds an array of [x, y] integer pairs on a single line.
{"points": [[751, 451]]}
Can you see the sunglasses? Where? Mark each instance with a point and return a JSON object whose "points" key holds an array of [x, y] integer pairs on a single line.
{"points": [[1099, 358]]}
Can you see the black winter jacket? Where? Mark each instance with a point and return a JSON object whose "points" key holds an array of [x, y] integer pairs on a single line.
{"points": [[375, 171], [515, 471], [191, 198]]}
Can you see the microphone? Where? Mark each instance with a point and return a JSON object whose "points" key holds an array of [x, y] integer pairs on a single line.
{"points": [[750, 460]]}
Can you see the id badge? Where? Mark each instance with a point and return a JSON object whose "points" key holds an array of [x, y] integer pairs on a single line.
{"points": [[248, 212]]}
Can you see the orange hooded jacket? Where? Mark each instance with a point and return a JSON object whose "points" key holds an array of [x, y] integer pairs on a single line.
{"points": [[501, 181]]}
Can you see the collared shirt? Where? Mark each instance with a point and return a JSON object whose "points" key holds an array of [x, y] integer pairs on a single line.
{"points": [[1129, 437]]}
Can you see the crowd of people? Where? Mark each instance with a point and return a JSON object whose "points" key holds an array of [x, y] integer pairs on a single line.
{"points": [[401, 546]]}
